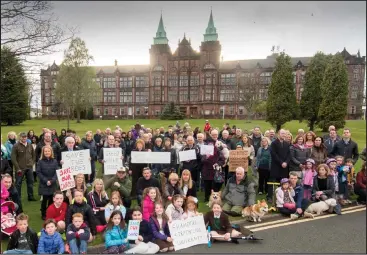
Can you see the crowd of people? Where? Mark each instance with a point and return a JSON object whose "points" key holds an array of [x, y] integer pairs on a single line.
{"points": [[308, 168]]}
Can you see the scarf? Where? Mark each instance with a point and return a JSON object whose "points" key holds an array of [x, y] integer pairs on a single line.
{"points": [[12, 141]]}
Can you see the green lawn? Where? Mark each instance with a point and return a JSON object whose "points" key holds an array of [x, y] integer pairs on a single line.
{"points": [[358, 130]]}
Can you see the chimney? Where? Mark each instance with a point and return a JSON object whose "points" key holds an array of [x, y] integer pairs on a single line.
{"points": [[116, 62]]}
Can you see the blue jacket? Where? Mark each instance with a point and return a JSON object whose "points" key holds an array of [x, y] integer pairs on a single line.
{"points": [[298, 190], [116, 237], [9, 147], [50, 244]]}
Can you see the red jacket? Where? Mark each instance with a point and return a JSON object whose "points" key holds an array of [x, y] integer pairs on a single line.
{"points": [[57, 213], [361, 180], [206, 127]]}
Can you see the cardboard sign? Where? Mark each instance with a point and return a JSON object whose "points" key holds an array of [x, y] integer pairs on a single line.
{"points": [[207, 150], [189, 232], [238, 158], [112, 160], [133, 230], [78, 161], [187, 155], [146, 157], [65, 178]]}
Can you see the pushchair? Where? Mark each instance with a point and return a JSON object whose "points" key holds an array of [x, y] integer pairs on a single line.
{"points": [[8, 223]]}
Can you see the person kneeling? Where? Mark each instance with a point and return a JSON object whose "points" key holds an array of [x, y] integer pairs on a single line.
{"points": [[78, 234]]}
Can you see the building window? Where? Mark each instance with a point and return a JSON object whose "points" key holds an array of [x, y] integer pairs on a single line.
{"points": [[109, 83], [122, 111], [354, 95], [106, 111], [356, 76], [184, 96], [126, 97], [157, 112], [126, 82], [141, 96], [156, 81], [194, 80], [113, 111], [231, 110], [353, 110], [228, 79], [227, 95], [172, 95], [156, 95], [109, 97], [138, 111], [98, 111], [240, 110], [208, 94], [184, 80], [141, 81], [146, 110], [172, 81], [221, 111]]}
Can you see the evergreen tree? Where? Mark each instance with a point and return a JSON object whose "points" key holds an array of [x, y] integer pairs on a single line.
{"points": [[281, 104], [171, 112], [334, 90], [311, 95], [14, 89]]}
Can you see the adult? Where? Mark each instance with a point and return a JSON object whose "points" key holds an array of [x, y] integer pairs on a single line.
{"points": [[323, 184], [331, 141], [7, 181], [57, 210], [207, 126], [280, 158], [246, 145], [118, 135], [301, 203], [104, 140], [70, 145], [23, 158], [12, 139], [62, 136], [299, 153], [122, 184], [136, 169], [309, 139], [363, 155], [360, 186], [263, 163], [89, 144], [192, 165], [225, 139], [236, 138], [238, 193], [301, 132], [256, 138], [200, 139], [167, 147], [4, 166], [147, 141], [272, 135], [97, 139], [346, 147], [130, 144], [47, 140], [31, 135], [178, 144], [97, 199], [46, 172], [318, 152], [146, 181], [331, 128], [158, 147]]}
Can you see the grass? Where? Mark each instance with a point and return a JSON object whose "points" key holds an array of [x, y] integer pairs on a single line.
{"points": [[358, 130]]}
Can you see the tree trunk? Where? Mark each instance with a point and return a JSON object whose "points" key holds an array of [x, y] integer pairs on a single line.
{"points": [[68, 118], [312, 125], [77, 116], [278, 127]]}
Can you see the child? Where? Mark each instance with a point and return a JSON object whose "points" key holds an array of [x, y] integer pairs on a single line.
{"points": [[116, 234], [333, 172], [159, 225], [78, 231], [114, 204], [144, 243], [191, 208], [219, 224], [175, 211], [23, 240], [150, 196], [323, 184], [342, 172], [50, 241], [57, 211], [350, 175], [307, 178], [4, 196], [79, 185], [284, 194], [172, 188]]}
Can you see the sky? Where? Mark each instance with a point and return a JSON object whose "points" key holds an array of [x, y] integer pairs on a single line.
{"points": [[124, 30]]}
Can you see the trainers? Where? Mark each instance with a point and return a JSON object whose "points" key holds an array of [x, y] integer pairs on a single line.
{"points": [[294, 216], [348, 201]]}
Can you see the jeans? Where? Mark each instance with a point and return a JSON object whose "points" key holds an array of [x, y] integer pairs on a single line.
{"points": [[73, 244], [16, 251], [287, 212], [28, 173], [343, 189]]}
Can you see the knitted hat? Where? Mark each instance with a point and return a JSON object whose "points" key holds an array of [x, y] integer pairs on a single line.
{"points": [[284, 180], [330, 160], [310, 160]]}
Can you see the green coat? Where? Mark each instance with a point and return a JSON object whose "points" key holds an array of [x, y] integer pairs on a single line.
{"points": [[125, 186]]}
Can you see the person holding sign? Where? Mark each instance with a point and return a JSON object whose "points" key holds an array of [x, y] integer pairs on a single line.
{"points": [[192, 165], [121, 183], [69, 146], [143, 244], [116, 234], [136, 169], [89, 143], [46, 171]]}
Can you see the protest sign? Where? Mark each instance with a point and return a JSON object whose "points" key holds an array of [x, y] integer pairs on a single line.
{"points": [[112, 160], [147, 157], [133, 230], [238, 158], [207, 150], [189, 232], [78, 161], [65, 178], [187, 155]]}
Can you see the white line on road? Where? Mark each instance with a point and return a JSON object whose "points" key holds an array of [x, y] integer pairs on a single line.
{"points": [[305, 220]]}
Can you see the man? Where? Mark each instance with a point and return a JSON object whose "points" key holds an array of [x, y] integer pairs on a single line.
{"points": [[329, 143], [256, 138], [280, 157], [122, 184], [238, 193], [327, 136], [346, 147], [225, 139], [236, 138], [69, 146], [213, 137], [23, 157], [301, 203], [117, 135], [192, 165], [272, 135], [57, 211], [47, 140], [148, 143], [89, 144], [7, 181], [200, 139], [145, 182], [169, 133]]}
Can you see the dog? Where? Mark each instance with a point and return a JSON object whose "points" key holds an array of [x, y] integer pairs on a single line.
{"points": [[256, 211], [320, 207], [215, 196], [224, 149]]}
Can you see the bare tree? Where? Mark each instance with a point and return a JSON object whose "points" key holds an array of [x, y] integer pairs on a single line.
{"points": [[247, 95]]}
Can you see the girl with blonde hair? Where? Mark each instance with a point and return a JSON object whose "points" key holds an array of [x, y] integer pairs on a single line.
{"points": [[187, 185], [171, 188], [114, 204], [79, 185]]}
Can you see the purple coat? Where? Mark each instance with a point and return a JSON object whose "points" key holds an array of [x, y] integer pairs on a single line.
{"points": [[155, 229], [207, 164]]}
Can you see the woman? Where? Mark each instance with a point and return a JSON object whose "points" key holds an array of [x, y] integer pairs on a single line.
{"points": [[309, 139], [12, 139], [46, 171], [318, 151], [157, 168], [89, 143], [130, 143], [187, 185], [168, 148], [299, 153], [136, 169], [360, 186], [55, 138], [62, 136], [246, 146], [79, 185], [196, 131], [323, 184], [289, 137], [178, 144], [78, 141], [263, 162], [97, 199], [30, 136]]}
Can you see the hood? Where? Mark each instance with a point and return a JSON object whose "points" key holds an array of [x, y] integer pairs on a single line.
{"points": [[45, 235]]}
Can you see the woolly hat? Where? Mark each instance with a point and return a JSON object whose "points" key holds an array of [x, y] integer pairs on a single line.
{"points": [[330, 160], [310, 160], [284, 180]]}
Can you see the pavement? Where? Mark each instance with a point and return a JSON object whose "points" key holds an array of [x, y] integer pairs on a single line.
{"points": [[328, 233]]}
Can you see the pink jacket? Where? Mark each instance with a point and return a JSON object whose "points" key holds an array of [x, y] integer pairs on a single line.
{"points": [[148, 208], [4, 196], [308, 176]]}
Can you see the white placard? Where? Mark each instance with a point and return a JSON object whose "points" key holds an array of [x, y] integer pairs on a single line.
{"points": [[207, 150], [150, 157], [187, 155], [112, 160], [189, 232], [78, 161], [65, 178], [133, 229]]}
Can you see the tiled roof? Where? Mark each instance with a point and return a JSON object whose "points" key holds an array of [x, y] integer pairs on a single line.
{"points": [[122, 69]]}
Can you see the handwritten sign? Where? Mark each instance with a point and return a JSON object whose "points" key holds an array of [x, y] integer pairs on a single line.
{"points": [[112, 160], [146, 157], [78, 161], [238, 158], [207, 150], [133, 230], [65, 178], [187, 155], [189, 232]]}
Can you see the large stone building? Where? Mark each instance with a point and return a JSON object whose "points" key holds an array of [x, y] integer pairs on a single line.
{"points": [[199, 82]]}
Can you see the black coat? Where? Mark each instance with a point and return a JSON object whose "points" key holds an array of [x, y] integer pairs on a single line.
{"points": [[76, 148], [32, 240], [349, 150], [96, 202], [130, 144], [298, 156], [143, 183], [46, 171], [92, 148], [191, 192], [5, 167], [279, 154], [192, 165], [14, 196], [87, 212], [55, 147]]}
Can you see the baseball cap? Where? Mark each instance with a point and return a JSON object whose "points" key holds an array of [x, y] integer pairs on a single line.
{"points": [[23, 134], [122, 169]]}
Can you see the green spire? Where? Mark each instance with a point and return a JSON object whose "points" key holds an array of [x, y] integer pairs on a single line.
{"points": [[211, 31], [161, 36]]}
